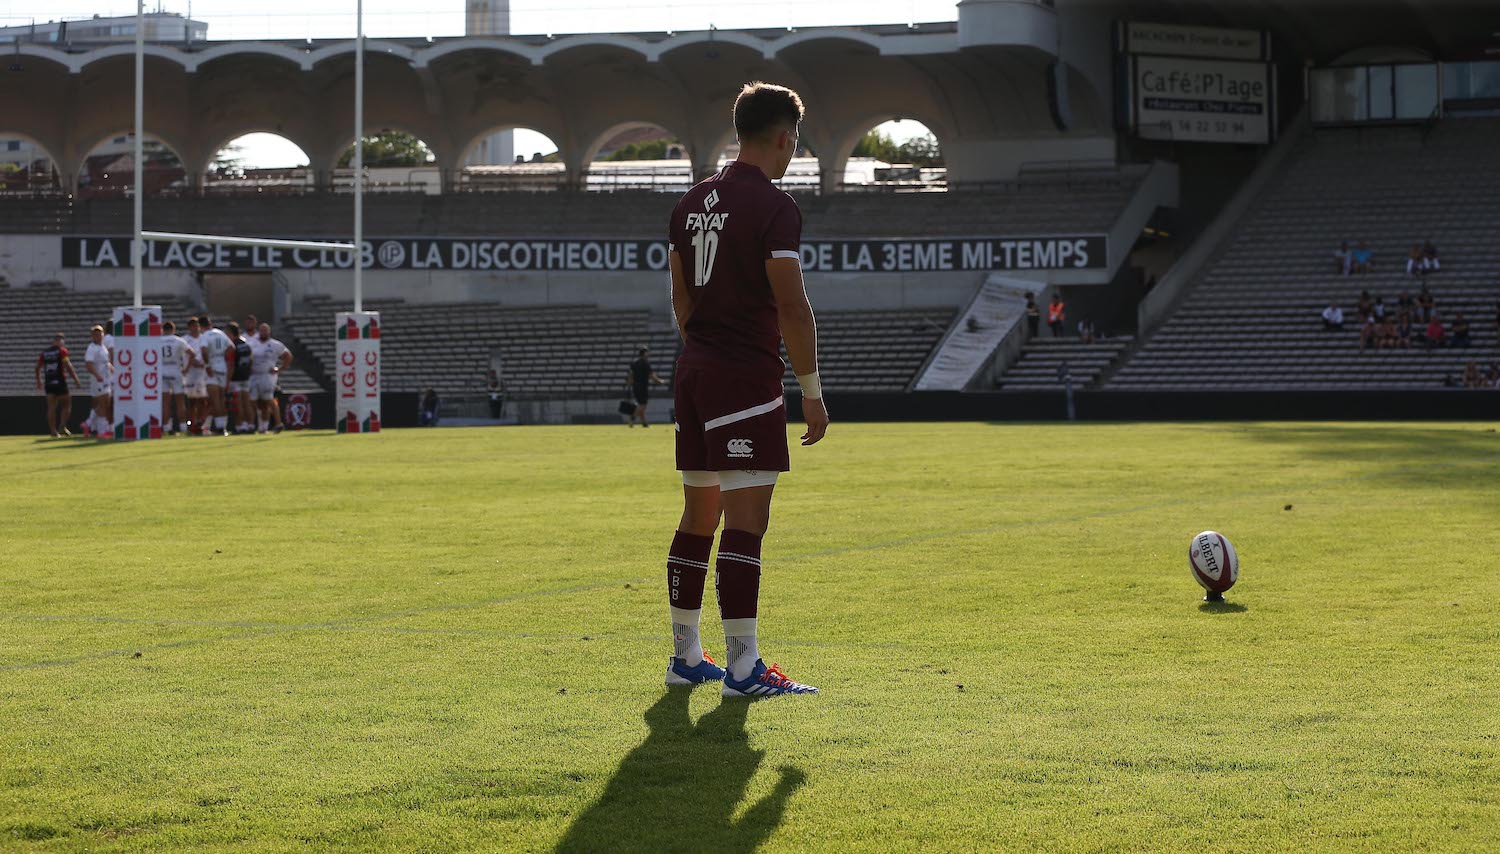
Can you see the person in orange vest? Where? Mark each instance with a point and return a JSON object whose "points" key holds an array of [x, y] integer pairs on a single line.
{"points": [[1055, 315]]}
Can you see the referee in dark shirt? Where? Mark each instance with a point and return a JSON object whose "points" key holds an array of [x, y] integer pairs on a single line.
{"points": [[640, 380]]}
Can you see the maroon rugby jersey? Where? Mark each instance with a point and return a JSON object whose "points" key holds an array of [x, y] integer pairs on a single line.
{"points": [[724, 230]]}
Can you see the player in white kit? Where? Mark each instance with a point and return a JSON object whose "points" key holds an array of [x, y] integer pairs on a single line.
{"points": [[215, 347], [195, 379], [269, 357], [101, 384], [174, 358]]}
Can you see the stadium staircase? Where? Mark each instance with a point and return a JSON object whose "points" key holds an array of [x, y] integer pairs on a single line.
{"points": [[1040, 366], [995, 313], [1251, 320]]}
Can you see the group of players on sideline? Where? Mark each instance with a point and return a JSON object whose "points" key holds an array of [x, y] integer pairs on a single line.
{"points": [[204, 375]]}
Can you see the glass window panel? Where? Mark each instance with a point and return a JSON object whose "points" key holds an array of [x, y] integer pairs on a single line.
{"points": [[1416, 91], [1382, 104]]}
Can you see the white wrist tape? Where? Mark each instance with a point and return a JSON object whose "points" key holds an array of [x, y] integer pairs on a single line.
{"points": [[812, 387]]}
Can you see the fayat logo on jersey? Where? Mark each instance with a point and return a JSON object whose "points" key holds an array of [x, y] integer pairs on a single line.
{"points": [[706, 221]]}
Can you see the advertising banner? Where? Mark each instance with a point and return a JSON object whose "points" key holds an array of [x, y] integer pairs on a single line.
{"points": [[1194, 100], [1025, 252], [357, 394], [137, 380], [1208, 42]]}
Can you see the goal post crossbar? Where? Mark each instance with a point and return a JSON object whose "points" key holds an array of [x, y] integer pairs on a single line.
{"points": [[228, 240]]}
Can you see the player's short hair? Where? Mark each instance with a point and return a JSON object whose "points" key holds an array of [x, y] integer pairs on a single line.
{"points": [[169, 326], [205, 322], [193, 320], [234, 328], [58, 336], [764, 107], [96, 328]]}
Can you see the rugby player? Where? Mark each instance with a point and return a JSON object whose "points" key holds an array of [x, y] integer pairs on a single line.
{"points": [[174, 354], [96, 360], [52, 371], [195, 380], [216, 349], [736, 294], [239, 378], [269, 358]]}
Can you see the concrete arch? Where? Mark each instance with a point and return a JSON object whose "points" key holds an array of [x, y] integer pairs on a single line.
{"points": [[78, 170], [437, 153], [299, 58], [46, 149], [567, 43], [591, 150], [835, 34], [683, 40], [36, 51], [335, 51], [468, 145], [481, 44], [201, 168], [835, 160], [172, 55]]}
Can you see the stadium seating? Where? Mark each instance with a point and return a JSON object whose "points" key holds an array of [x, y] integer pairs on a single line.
{"points": [[29, 316], [1045, 204], [582, 351], [1251, 321], [1037, 369]]}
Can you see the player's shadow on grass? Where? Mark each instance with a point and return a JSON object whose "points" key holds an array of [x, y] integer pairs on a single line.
{"points": [[680, 789], [1222, 608]]}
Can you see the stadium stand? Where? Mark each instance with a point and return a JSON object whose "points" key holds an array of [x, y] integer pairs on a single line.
{"points": [[1039, 364], [582, 350], [29, 316], [1039, 204], [1251, 321]]}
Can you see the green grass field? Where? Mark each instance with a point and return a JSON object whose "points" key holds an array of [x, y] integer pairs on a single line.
{"points": [[454, 639]]}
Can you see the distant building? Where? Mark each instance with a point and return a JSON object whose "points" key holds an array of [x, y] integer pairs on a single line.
{"points": [[165, 27], [490, 18]]}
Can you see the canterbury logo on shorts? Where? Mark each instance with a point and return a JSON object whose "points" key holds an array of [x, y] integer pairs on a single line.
{"points": [[739, 448]]}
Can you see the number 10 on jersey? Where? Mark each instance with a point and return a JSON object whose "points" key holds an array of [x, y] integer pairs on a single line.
{"points": [[705, 250]]}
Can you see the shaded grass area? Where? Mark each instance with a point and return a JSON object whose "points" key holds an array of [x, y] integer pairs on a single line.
{"points": [[453, 640]]}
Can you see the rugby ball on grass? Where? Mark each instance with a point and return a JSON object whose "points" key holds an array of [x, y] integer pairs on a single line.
{"points": [[1213, 562]]}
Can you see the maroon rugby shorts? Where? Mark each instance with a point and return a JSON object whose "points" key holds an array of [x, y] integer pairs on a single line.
{"points": [[729, 423]]}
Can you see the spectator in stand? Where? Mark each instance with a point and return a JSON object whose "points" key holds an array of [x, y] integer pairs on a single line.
{"points": [[1460, 331], [1387, 335], [1366, 305], [1473, 377], [1333, 318], [1404, 331], [1430, 257], [1425, 303], [1369, 332], [1033, 315], [1405, 303], [1343, 258], [1492, 379], [428, 409], [1364, 258], [1056, 314], [1414, 261], [1380, 308], [496, 390], [1086, 330], [1434, 332]]}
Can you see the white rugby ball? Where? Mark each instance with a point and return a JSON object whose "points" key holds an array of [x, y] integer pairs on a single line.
{"points": [[1213, 562]]}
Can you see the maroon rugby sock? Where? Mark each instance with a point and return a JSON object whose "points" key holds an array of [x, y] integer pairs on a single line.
{"points": [[687, 569], [737, 581]]}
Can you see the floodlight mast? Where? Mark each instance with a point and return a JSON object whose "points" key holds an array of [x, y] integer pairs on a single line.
{"points": [[359, 153], [138, 246]]}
